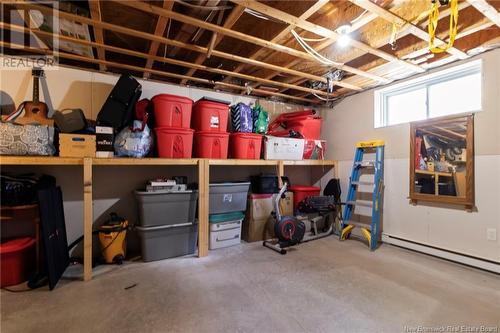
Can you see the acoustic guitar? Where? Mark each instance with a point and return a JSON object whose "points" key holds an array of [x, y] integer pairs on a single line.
{"points": [[35, 111]]}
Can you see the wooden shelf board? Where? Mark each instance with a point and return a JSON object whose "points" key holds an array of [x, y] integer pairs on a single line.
{"points": [[144, 161], [56, 160], [242, 162], [311, 162], [40, 160], [426, 172]]}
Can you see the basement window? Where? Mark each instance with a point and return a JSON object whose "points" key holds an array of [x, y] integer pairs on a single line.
{"points": [[452, 91]]}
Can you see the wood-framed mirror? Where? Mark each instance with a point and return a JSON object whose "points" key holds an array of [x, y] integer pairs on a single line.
{"points": [[442, 161]]}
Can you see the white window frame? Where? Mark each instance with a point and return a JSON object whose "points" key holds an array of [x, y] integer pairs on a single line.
{"points": [[426, 81]]}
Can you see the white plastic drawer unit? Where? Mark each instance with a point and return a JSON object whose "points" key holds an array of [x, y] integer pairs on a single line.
{"points": [[224, 234]]}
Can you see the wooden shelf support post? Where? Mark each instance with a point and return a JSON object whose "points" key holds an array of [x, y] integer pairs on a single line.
{"points": [[87, 219], [203, 190]]}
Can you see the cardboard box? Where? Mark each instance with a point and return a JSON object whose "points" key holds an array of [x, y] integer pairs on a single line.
{"points": [[314, 150], [276, 148], [104, 141], [259, 223], [257, 230], [77, 145]]}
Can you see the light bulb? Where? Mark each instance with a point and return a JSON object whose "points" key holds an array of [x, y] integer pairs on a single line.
{"points": [[344, 40]]}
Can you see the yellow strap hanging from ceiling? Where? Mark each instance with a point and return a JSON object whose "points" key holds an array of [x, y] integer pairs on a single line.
{"points": [[433, 23]]}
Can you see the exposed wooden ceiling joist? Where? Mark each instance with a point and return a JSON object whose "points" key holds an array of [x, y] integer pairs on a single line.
{"points": [[324, 32], [196, 48], [487, 10], [158, 58], [161, 25], [228, 24], [247, 38], [285, 32], [152, 71], [95, 13], [400, 23], [366, 19]]}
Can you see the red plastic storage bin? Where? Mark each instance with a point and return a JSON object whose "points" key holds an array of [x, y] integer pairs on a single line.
{"points": [[17, 257], [305, 122], [301, 192], [174, 142], [245, 145], [211, 145], [172, 111], [210, 116], [309, 127]]}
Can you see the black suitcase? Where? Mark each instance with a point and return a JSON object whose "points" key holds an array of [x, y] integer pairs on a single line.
{"points": [[117, 111]]}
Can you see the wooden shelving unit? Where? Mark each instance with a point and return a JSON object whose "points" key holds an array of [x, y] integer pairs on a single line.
{"points": [[203, 166]]}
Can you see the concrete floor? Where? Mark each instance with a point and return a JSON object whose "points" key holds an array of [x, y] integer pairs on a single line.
{"points": [[323, 286]]}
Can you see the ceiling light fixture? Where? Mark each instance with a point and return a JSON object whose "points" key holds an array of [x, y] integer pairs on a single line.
{"points": [[344, 30]]}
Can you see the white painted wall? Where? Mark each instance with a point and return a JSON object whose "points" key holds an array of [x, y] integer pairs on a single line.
{"points": [[446, 227], [113, 186]]}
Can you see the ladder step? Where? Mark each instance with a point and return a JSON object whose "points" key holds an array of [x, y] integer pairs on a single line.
{"points": [[357, 182], [365, 203], [365, 164], [357, 224]]}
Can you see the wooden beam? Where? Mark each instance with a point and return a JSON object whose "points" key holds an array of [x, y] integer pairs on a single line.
{"points": [[481, 25], [285, 32], [324, 32], [153, 71], [403, 32], [161, 59], [487, 10], [195, 48], [412, 28], [248, 38], [369, 17], [88, 217], [95, 13], [161, 25], [230, 21], [203, 206]]}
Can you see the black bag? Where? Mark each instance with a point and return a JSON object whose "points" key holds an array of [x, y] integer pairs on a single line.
{"points": [[21, 189], [117, 111], [53, 234]]}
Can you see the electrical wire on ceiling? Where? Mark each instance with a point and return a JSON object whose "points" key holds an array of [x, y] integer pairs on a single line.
{"points": [[359, 17], [321, 59], [188, 4], [261, 16], [321, 98], [314, 39]]}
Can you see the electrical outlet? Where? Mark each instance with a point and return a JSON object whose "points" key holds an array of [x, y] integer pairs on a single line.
{"points": [[491, 234]]}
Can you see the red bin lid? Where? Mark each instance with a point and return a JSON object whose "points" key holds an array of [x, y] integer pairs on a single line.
{"points": [[173, 98], [247, 135], [16, 245]]}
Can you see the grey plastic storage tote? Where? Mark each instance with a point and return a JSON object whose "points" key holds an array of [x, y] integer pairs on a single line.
{"points": [[166, 208], [228, 197], [168, 241]]}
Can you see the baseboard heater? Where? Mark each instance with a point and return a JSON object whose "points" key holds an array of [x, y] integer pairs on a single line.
{"points": [[485, 264]]}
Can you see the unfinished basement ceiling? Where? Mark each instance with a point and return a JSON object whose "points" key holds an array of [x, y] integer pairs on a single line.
{"points": [[248, 47]]}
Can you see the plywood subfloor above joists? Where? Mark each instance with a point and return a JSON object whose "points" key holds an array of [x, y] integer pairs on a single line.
{"points": [[248, 46]]}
